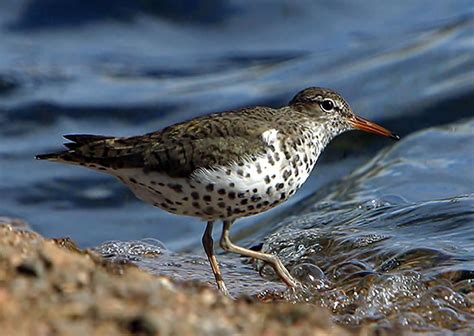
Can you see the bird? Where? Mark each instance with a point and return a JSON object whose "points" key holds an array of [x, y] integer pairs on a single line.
{"points": [[224, 166]]}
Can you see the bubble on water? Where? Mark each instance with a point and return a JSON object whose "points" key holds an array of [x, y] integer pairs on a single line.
{"points": [[444, 317], [373, 204], [310, 276], [131, 250], [389, 292], [444, 295], [412, 320]]}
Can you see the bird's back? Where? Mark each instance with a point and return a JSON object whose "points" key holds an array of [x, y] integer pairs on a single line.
{"points": [[214, 139]]}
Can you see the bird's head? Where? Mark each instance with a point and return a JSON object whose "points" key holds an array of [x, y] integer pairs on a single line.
{"points": [[327, 105]]}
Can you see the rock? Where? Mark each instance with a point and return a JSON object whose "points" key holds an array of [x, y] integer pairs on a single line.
{"points": [[52, 287]]}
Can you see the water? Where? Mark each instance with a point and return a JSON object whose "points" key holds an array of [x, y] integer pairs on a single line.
{"points": [[376, 218]]}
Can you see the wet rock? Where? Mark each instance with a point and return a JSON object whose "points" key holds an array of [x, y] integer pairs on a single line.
{"points": [[49, 286]]}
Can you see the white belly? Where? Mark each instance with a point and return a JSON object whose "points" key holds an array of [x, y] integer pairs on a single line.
{"points": [[223, 192]]}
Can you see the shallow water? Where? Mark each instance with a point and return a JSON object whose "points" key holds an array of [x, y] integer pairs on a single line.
{"points": [[399, 223]]}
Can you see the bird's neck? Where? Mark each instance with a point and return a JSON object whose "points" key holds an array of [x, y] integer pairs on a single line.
{"points": [[323, 132], [313, 137]]}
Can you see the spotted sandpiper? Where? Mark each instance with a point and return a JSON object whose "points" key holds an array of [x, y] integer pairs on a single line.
{"points": [[224, 166]]}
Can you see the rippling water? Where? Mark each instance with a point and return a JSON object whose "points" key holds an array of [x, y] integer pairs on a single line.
{"points": [[385, 239]]}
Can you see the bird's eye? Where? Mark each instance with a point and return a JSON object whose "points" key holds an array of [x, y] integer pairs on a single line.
{"points": [[327, 105]]}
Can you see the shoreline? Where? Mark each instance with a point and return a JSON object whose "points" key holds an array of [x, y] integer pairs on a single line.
{"points": [[55, 288]]}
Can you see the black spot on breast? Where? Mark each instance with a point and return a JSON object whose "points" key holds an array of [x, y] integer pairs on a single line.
{"points": [[164, 205], [259, 168], [255, 190], [286, 174], [196, 205], [271, 160], [241, 195], [250, 207], [267, 179], [240, 172], [221, 191], [167, 200], [282, 195], [131, 179], [232, 184], [269, 190], [210, 187], [161, 184], [231, 195], [279, 186], [195, 195], [176, 187], [255, 198], [185, 198], [207, 198], [221, 205], [209, 210], [244, 201]]}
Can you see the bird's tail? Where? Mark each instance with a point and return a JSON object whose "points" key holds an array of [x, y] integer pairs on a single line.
{"points": [[82, 150]]}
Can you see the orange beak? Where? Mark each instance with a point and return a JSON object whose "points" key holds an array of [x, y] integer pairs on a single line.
{"points": [[370, 127]]}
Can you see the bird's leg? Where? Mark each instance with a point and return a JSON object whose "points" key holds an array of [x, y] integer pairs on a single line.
{"points": [[271, 259], [208, 244]]}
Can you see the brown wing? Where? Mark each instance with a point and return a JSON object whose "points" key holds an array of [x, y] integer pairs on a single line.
{"points": [[208, 141], [180, 159]]}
